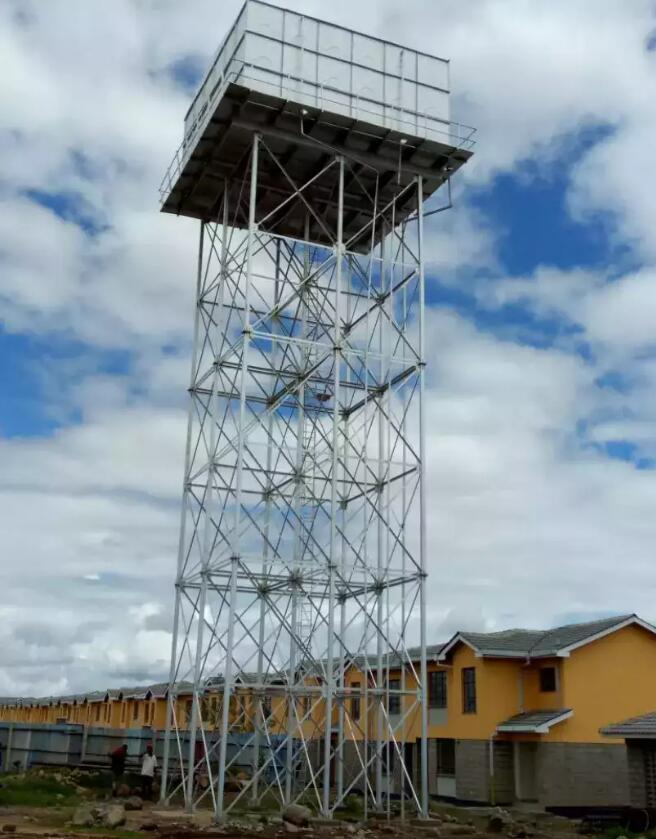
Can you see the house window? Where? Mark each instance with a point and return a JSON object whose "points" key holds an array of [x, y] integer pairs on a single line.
{"points": [[437, 689], [266, 707], [98, 712], [394, 699], [446, 756], [123, 711], [469, 690], [355, 701], [135, 710], [547, 679]]}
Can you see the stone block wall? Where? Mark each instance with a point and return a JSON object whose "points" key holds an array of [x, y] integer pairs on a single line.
{"points": [[582, 774], [473, 771], [635, 759]]}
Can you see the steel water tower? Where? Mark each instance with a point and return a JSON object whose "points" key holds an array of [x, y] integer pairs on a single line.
{"points": [[308, 157]]}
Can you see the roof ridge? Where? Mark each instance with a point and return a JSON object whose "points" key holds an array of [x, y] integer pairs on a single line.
{"points": [[614, 618]]}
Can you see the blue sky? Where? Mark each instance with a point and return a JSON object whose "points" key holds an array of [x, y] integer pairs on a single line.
{"points": [[542, 299]]}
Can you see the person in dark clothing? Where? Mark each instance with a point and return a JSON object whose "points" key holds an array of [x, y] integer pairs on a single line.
{"points": [[117, 758]]}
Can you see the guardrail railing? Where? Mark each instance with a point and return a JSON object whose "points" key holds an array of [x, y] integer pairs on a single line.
{"points": [[417, 124]]}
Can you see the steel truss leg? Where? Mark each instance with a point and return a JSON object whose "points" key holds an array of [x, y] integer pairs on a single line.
{"points": [[301, 569]]}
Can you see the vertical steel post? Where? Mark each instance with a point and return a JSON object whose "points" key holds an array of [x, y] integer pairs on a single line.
{"points": [[381, 711], [236, 536], [337, 350], [170, 694], [259, 712], [422, 501]]}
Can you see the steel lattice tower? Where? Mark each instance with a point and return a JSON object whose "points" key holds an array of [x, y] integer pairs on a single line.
{"points": [[302, 553]]}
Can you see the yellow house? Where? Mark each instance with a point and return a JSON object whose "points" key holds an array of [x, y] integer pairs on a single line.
{"points": [[513, 715], [516, 715]]}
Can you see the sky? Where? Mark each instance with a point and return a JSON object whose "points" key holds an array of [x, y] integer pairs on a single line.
{"points": [[542, 305]]}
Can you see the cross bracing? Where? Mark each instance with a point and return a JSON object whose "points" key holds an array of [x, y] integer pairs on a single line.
{"points": [[302, 556]]}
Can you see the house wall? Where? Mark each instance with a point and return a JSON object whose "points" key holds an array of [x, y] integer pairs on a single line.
{"points": [[497, 696], [635, 757], [582, 774], [473, 781], [159, 715], [606, 681], [533, 698]]}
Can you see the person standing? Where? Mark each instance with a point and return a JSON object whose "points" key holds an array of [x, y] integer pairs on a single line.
{"points": [[148, 768], [118, 757]]}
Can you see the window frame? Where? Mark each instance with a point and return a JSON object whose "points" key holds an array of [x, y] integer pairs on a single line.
{"points": [[447, 764], [438, 696], [548, 669], [356, 701], [469, 697], [394, 704]]}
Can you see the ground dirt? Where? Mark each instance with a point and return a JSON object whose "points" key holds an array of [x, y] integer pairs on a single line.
{"points": [[171, 824], [58, 793]]}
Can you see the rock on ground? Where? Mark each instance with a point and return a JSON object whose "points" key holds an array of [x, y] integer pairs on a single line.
{"points": [[134, 803], [108, 815], [114, 816], [83, 817], [297, 815], [499, 821]]}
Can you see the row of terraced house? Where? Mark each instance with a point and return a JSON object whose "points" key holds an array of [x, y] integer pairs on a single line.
{"points": [[562, 717]]}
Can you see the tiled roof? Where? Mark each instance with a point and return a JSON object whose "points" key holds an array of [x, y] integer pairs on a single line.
{"points": [[510, 640], [99, 695], [643, 726], [534, 721], [565, 636], [539, 643], [139, 692], [395, 659]]}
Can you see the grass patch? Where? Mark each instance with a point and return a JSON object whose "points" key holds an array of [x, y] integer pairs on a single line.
{"points": [[351, 810], [94, 780], [29, 791], [269, 804]]}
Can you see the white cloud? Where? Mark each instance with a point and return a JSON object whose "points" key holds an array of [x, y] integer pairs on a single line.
{"points": [[612, 181], [516, 507], [623, 312], [89, 514]]}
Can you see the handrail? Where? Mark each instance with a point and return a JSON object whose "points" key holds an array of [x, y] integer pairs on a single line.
{"points": [[457, 134]]}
